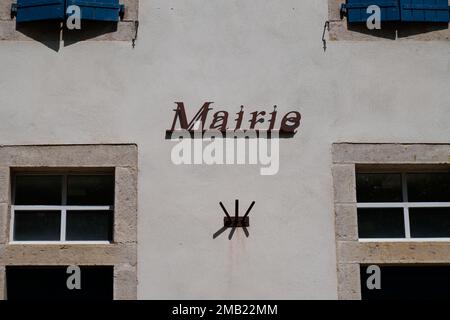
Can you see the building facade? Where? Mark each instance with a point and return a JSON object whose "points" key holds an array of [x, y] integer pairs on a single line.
{"points": [[89, 176]]}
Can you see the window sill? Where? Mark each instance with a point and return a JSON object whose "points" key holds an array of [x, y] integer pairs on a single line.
{"points": [[58, 243]]}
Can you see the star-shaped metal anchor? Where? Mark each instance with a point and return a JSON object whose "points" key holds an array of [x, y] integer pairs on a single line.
{"points": [[234, 222]]}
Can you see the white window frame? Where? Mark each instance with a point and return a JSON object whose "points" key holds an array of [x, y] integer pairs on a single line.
{"points": [[61, 208], [405, 205]]}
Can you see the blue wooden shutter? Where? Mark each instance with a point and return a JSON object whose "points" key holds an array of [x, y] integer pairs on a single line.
{"points": [[100, 10], [357, 10], [425, 10], [35, 10]]}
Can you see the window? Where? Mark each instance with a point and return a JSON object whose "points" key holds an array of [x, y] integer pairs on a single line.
{"points": [[403, 205], [62, 208], [398, 10], [395, 214], [38, 10]]}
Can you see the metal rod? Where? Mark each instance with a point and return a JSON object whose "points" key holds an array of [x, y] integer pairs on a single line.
{"points": [[225, 210], [249, 209]]}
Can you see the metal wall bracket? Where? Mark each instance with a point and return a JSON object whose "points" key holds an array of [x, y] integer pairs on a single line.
{"points": [[236, 221], [121, 11], [343, 11], [13, 10], [239, 222]]}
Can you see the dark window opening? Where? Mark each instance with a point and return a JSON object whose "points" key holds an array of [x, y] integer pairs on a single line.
{"points": [[379, 187], [381, 223], [50, 283], [408, 282], [37, 225], [89, 226], [38, 190]]}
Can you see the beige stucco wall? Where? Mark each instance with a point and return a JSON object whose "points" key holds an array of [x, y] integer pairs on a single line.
{"points": [[255, 53]]}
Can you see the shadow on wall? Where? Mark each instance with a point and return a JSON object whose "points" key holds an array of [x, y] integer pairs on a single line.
{"points": [[411, 29], [389, 30], [51, 33], [90, 30], [393, 30], [45, 32]]}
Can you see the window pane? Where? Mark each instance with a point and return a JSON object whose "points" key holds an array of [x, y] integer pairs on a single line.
{"points": [[38, 190], [430, 222], [428, 187], [37, 225], [381, 223], [90, 190], [89, 225], [379, 187]]}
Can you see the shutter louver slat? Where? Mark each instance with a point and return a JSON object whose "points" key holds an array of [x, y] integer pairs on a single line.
{"points": [[357, 10], [98, 10], [36, 10], [425, 10]]}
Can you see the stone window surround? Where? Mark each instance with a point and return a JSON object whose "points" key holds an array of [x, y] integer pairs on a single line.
{"points": [[126, 27], [122, 253], [339, 30], [350, 252]]}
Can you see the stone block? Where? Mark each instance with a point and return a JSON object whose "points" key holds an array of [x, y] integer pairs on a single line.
{"points": [[346, 222], [344, 183]]}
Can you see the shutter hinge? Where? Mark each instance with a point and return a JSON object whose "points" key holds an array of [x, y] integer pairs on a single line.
{"points": [[121, 11], [324, 40], [136, 29], [13, 10], [343, 10]]}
